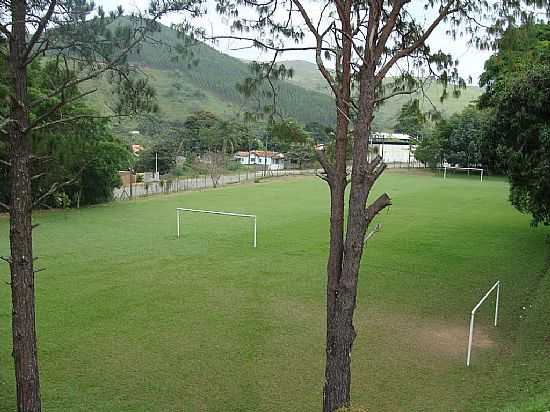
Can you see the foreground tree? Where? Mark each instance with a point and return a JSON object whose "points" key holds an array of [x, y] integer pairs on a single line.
{"points": [[519, 133], [516, 141], [366, 41], [83, 43]]}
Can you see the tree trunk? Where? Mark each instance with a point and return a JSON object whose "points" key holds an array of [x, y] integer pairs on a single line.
{"points": [[343, 273], [336, 392], [21, 265]]}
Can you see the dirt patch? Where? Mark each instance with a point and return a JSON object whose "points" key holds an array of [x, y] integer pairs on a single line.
{"points": [[451, 339], [403, 333], [428, 336]]}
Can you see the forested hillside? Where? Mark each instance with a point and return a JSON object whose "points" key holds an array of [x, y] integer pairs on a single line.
{"points": [[308, 76], [206, 79]]}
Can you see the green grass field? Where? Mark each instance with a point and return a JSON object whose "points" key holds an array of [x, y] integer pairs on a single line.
{"points": [[132, 319]]}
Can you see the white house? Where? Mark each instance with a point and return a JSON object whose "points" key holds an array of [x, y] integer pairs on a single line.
{"points": [[261, 158], [393, 147]]}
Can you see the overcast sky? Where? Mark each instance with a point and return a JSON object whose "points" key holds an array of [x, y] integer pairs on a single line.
{"points": [[471, 59]]}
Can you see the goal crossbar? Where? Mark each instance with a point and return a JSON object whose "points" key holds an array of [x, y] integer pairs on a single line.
{"points": [[179, 210], [496, 287], [445, 168]]}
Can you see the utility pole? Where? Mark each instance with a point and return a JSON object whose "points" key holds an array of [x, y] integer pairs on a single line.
{"points": [[265, 155], [409, 152]]}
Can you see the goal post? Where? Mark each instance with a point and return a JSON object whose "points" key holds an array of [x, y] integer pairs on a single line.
{"points": [[467, 169], [496, 287], [181, 210]]}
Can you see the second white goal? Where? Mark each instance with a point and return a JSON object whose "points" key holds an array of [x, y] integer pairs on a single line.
{"points": [[181, 210]]}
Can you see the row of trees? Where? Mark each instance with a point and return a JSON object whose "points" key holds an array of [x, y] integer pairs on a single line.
{"points": [[507, 131], [204, 134]]}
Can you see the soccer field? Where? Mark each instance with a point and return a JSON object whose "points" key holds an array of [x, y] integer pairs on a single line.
{"points": [[130, 318]]}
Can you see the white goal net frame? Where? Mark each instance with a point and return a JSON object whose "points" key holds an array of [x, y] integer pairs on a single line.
{"points": [[181, 210], [496, 287], [466, 169]]}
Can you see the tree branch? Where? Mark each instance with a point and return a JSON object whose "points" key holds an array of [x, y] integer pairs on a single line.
{"points": [[328, 168], [386, 31], [444, 12], [40, 29], [4, 30], [261, 44], [319, 38], [398, 93], [56, 107], [5, 206], [56, 186], [82, 116], [377, 206]]}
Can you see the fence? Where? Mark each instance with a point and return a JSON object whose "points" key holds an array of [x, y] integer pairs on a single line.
{"points": [[175, 185]]}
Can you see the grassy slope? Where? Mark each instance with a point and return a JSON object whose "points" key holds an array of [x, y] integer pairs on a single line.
{"points": [[131, 319], [308, 76], [535, 340]]}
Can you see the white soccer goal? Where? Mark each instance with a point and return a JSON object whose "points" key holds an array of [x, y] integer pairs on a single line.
{"points": [[496, 287], [466, 169], [181, 210]]}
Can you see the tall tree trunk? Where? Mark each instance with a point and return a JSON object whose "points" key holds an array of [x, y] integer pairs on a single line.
{"points": [[21, 264], [336, 389], [343, 273], [336, 392]]}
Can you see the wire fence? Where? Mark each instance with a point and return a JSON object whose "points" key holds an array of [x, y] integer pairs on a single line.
{"points": [[199, 182], [176, 185]]}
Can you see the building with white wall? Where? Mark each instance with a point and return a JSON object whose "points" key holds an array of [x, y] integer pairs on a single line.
{"points": [[393, 147], [261, 158]]}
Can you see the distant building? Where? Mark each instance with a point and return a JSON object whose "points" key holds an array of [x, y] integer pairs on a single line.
{"points": [[393, 147], [261, 158]]}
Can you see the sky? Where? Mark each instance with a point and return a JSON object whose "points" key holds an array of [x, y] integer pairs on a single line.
{"points": [[471, 60]]}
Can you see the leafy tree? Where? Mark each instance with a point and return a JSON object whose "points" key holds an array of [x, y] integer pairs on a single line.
{"points": [[518, 49], [286, 132], [463, 136], [411, 119], [220, 140], [517, 138], [196, 125], [457, 140], [430, 147], [161, 154], [519, 133], [321, 134], [301, 153]]}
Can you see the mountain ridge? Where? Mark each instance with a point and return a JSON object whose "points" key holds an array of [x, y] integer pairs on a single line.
{"points": [[206, 80]]}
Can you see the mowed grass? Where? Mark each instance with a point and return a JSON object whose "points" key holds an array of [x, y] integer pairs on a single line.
{"points": [[132, 319]]}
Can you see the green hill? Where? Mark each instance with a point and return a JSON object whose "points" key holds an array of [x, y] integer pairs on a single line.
{"points": [[207, 81], [308, 76]]}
